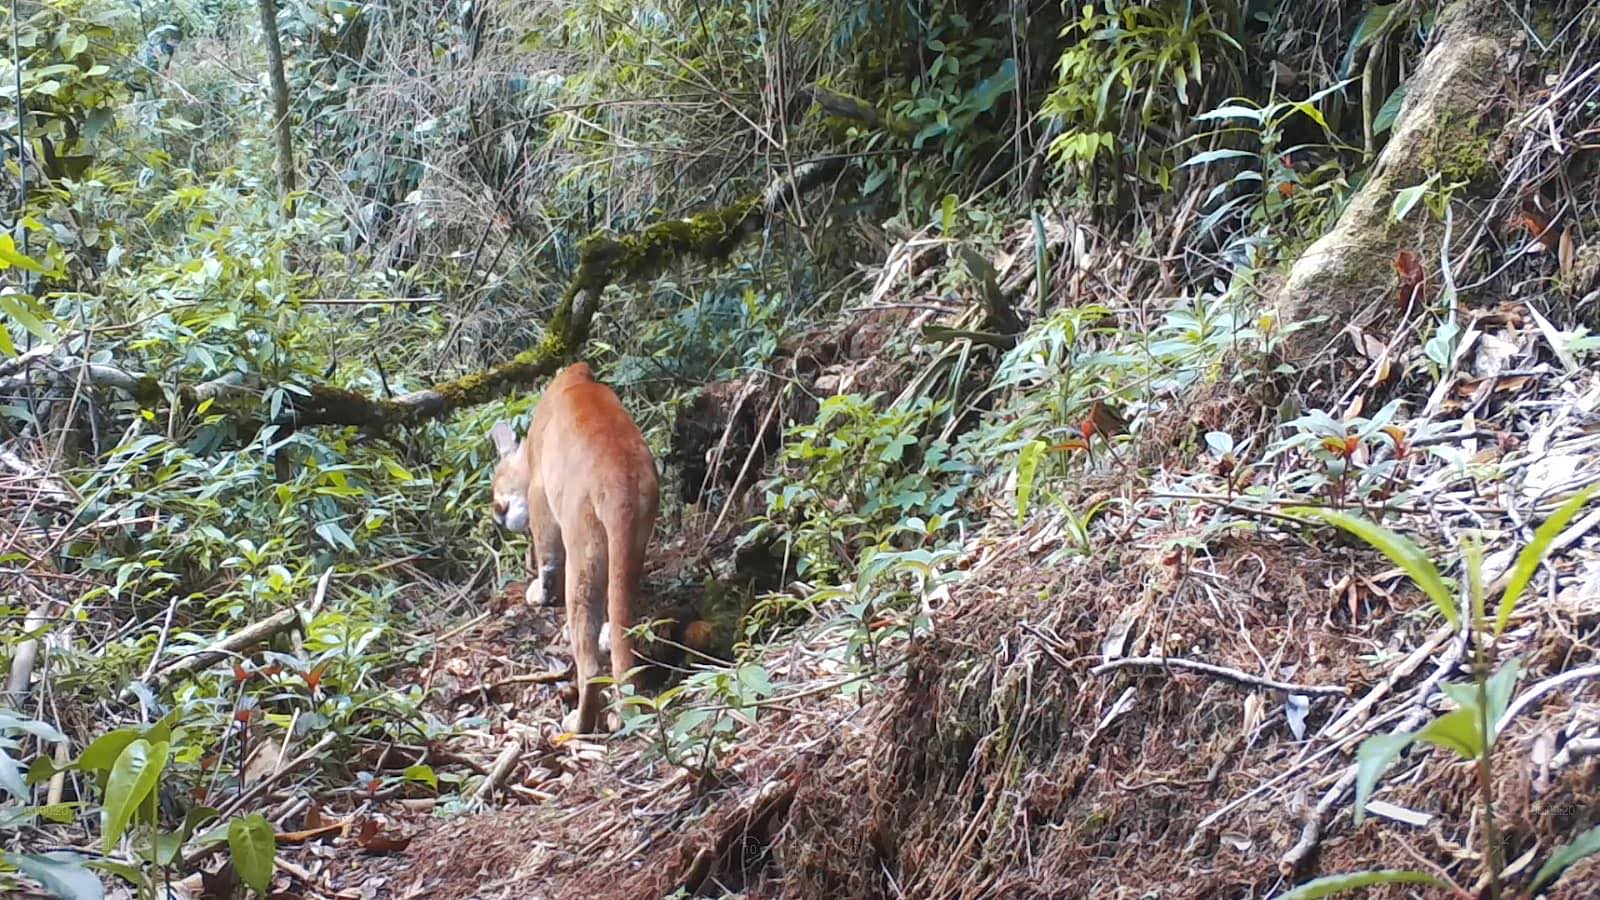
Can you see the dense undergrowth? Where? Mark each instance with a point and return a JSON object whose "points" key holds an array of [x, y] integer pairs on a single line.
{"points": [[1013, 381]]}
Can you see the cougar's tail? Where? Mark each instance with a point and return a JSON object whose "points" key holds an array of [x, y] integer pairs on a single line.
{"points": [[624, 566]]}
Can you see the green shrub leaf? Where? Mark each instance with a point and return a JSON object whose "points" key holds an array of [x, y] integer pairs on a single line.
{"points": [[251, 842], [1373, 758], [1400, 550], [1532, 555], [1587, 844], [133, 777], [1329, 885], [61, 873]]}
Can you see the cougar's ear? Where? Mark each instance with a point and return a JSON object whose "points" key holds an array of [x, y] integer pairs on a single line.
{"points": [[505, 440]]}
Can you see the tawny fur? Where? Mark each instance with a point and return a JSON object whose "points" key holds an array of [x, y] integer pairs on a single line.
{"points": [[583, 484]]}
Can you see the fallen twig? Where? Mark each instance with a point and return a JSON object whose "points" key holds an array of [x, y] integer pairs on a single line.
{"points": [[501, 770], [240, 640], [1222, 672]]}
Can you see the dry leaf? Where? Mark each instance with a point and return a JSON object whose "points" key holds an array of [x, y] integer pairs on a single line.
{"points": [[371, 839], [1413, 280]]}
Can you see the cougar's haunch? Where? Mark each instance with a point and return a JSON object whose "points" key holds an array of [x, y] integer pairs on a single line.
{"points": [[583, 484]]}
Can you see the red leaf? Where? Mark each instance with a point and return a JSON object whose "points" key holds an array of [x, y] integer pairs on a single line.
{"points": [[1413, 280]]}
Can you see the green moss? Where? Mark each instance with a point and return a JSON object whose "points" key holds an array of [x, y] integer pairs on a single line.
{"points": [[1459, 150], [524, 368], [710, 236]]}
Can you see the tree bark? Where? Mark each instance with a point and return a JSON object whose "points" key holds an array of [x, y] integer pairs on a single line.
{"points": [[280, 101], [1442, 129]]}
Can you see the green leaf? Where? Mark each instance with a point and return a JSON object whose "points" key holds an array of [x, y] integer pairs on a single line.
{"points": [[1457, 731], [133, 778], [1329, 885], [1400, 550], [1389, 111], [1441, 348], [1586, 844], [61, 873], [11, 777], [1405, 199], [1373, 758], [947, 213], [1200, 159], [102, 752], [1500, 687], [423, 774], [1027, 468], [397, 471], [1532, 555], [10, 256], [44, 731], [252, 843], [1371, 24], [994, 87], [24, 310]]}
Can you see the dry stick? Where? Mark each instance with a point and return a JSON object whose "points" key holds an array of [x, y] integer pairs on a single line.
{"points": [[245, 637], [27, 654], [1311, 833], [1530, 696], [1222, 672], [1335, 730], [545, 677], [501, 770]]}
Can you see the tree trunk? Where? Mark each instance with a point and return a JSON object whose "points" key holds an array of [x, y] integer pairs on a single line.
{"points": [[280, 101], [1443, 128]]}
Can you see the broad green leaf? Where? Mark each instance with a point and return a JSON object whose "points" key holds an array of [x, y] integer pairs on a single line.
{"points": [[1027, 468], [102, 752], [1532, 555], [23, 310], [1373, 758], [252, 843], [1457, 731], [61, 873], [44, 731], [1405, 199], [1200, 159], [10, 256], [397, 471], [1441, 348], [1586, 844], [423, 774], [1370, 26], [947, 213], [11, 777], [133, 777], [1389, 111], [1500, 687], [1400, 550], [1329, 885], [992, 88]]}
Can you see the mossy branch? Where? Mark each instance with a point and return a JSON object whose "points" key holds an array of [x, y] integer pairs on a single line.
{"points": [[604, 259], [855, 109]]}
